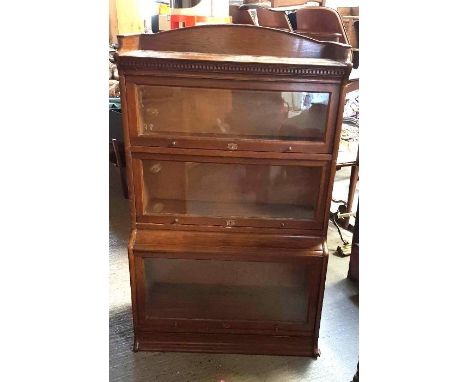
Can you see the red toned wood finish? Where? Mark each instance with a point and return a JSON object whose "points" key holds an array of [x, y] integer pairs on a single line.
{"points": [[240, 16], [314, 171], [321, 23], [322, 145], [287, 3], [229, 220], [272, 19]]}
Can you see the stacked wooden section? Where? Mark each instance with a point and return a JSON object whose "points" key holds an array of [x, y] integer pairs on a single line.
{"points": [[231, 149]]}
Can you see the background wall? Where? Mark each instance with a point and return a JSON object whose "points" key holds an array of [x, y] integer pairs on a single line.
{"points": [[125, 17]]}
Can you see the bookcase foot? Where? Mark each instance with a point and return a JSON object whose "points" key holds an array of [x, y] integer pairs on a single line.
{"points": [[136, 345]]}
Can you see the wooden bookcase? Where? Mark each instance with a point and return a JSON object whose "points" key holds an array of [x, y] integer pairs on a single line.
{"points": [[231, 136]]}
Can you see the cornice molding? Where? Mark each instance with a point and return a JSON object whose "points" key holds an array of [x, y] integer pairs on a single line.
{"points": [[230, 68]]}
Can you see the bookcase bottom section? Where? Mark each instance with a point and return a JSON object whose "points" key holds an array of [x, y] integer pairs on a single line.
{"points": [[224, 302], [227, 343]]}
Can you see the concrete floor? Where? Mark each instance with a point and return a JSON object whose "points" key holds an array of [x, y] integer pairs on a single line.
{"points": [[338, 334]]}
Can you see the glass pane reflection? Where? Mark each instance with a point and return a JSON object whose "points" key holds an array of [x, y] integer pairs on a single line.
{"points": [[230, 190], [232, 113], [232, 290]]}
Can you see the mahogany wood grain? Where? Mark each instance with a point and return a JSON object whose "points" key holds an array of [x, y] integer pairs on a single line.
{"points": [[286, 154], [225, 242], [232, 40], [268, 272], [226, 343], [164, 225], [128, 157], [133, 283]]}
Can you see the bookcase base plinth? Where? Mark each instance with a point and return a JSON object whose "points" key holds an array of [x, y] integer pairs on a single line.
{"points": [[227, 343]]}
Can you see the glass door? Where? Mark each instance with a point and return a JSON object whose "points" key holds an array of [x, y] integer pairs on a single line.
{"points": [[225, 290], [232, 113], [197, 191], [182, 293]]}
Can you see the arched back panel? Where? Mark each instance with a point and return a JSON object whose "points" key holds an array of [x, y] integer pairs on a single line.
{"points": [[236, 40]]}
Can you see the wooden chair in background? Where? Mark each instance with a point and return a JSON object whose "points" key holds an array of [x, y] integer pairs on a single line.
{"points": [[350, 19], [273, 19], [240, 16], [352, 85], [290, 3], [321, 23]]}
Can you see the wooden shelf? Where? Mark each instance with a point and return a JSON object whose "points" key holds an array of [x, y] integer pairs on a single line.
{"points": [[220, 245], [227, 302], [233, 209]]}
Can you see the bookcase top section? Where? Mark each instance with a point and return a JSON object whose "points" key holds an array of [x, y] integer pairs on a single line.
{"points": [[247, 59], [235, 43]]}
